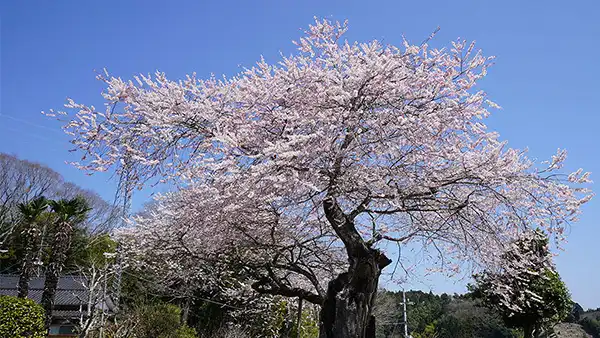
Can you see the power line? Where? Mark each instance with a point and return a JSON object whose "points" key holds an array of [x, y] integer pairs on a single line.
{"points": [[30, 123]]}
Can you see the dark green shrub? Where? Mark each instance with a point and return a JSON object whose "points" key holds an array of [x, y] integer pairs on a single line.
{"points": [[159, 321], [185, 331], [20, 318], [591, 326]]}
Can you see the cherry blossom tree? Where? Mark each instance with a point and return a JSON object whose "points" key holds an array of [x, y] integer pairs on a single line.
{"points": [[527, 291], [306, 166]]}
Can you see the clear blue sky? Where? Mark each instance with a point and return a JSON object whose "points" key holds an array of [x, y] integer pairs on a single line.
{"points": [[546, 76]]}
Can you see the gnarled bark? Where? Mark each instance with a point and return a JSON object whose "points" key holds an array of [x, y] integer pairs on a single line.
{"points": [[347, 308]]}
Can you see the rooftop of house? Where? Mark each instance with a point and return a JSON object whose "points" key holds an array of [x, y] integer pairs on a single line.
{"points": [[71, 293]]}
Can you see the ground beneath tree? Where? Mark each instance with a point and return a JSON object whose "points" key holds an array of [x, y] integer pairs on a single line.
{"points": [[570, 330]]}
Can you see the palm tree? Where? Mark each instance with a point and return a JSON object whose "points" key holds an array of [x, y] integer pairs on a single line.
{"points": [[68, 213], [32, 234]]}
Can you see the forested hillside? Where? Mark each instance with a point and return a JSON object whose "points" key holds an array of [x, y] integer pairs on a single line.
{"points": [[462, 316], [443, 315]]}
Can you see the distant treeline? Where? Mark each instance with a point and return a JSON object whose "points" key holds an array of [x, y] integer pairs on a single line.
{"points": [[455, 316]]}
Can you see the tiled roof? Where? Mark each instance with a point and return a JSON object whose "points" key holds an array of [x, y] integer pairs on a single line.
{"points": [[37, 283], [70, 293], [62, 297], [67, 314]]}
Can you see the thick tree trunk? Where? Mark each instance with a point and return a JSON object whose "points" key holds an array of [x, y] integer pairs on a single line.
{"points": [[347, 308]]}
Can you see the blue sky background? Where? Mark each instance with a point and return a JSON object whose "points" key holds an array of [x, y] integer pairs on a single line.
{"points": [[545, 78]]}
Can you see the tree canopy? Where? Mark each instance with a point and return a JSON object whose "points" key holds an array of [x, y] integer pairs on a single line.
{"points": [[299, 169]]}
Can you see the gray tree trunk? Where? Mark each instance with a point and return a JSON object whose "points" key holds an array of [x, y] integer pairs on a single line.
{"points": [[347, 310], [348, 305]]}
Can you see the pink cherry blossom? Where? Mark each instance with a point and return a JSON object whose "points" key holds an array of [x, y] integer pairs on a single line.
{"points": [[393, 136]]}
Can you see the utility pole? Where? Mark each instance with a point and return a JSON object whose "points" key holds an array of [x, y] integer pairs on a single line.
{"points": [[405, 313], [404, 317], [405, 320]]}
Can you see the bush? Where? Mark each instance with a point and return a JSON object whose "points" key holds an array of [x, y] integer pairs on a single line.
{"points": [[591, 326], [309, 325], [159, 320], [21, 318], [185, 331]]}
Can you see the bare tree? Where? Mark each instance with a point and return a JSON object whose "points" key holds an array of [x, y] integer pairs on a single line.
{"points": [[22, 181], [94, 282]]}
